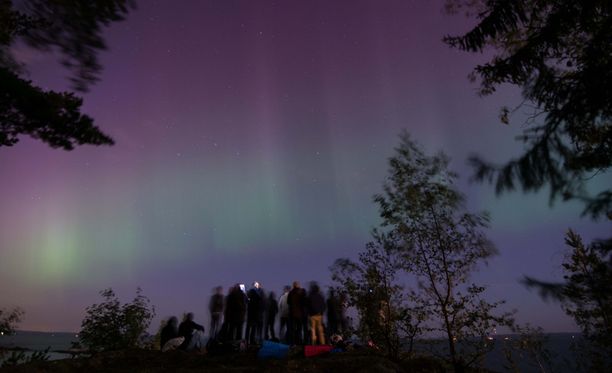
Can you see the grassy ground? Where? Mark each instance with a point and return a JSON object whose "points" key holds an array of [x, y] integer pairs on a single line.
{"points": [[178, 361]]}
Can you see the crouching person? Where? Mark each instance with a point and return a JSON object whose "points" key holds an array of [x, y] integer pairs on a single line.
{"points": [[193, 334]]}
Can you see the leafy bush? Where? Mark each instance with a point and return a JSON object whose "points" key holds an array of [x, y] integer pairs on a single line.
{"points": [[22, 357], [111, 325], [9, 318]]}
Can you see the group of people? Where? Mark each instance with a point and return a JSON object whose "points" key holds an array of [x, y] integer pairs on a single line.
{"points": [[301, 315]]}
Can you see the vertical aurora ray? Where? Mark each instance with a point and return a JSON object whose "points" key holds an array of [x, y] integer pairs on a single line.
{"points": [[53, 259]]}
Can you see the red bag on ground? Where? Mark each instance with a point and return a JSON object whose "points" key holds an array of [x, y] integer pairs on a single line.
{"points": [[310, 351]]}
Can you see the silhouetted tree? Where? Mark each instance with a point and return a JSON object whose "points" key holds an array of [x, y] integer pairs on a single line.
{"points": [[585, 295], [441, 244], [73, 28], [111, 325], [559, 53], [9, 318], [388, 315]]}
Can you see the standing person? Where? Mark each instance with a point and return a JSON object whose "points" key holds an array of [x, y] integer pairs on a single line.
{"points": [[305, 320], [316, 309], [215, 306], [271, 311], [283, 310], [192, 332], [343, 324], [255, 314], [296, 300], [333, 313], [235, 308]]}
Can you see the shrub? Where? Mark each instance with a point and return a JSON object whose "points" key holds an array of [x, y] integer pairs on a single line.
{"points": [[22, 357], [9, 318], [111, 325]]}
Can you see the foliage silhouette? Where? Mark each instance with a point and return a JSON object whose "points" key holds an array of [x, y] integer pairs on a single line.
{"points": [[21, 357], [112, 326], [9, 319], [387, 315], [425, 233], [560, 54], [585, 296], [52, 117], [73, 28]]}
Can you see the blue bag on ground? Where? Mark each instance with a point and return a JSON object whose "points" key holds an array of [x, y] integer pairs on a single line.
{"points": [[273, 350]]}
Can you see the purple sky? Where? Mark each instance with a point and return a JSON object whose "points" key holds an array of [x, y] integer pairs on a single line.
{"points": [[250, 137]]}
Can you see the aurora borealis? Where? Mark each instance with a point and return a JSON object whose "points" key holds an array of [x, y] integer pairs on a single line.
{"points": [[250, 137]]}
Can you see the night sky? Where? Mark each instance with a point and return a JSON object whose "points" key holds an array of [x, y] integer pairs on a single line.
{"points": [[250, 138]]}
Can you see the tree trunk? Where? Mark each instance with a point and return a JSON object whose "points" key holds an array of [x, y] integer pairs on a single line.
{"points": [[457, 364]]}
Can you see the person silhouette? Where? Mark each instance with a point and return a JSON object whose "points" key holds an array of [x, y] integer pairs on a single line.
{"points": [[192, 332], [296, 299], [169, 331], [271, 311], [235, 309], [283, 310], [215, 306], [255, 313]]}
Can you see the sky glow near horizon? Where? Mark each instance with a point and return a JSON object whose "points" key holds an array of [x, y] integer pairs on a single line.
{"points": [[250, 138]]}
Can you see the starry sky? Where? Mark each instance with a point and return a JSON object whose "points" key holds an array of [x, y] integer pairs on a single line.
{"points": [[250, 138]]}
